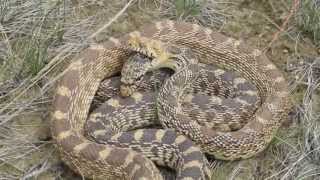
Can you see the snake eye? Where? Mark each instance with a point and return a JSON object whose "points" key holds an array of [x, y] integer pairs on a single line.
{"points": [[139, 78]]}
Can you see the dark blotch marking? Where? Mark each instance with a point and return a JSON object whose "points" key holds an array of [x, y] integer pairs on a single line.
{"points": [[249, 99], [91, 126], [125, 101], [60, 126], [117, 156], [217, 107], [169, 137], [201, 100], [231, 103], [105, 108], [196, 155], [186, 144], [149, 136], [91, 151], [126, 137], [61, 103], [228, 76], [70, 142], [246, 86]]}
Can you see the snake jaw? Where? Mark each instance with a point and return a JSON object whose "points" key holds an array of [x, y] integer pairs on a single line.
{"points": [[155, 49], [126, 90], [132, 73]]}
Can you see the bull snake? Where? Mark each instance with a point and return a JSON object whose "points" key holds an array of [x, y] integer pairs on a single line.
{"points": [[82, 78]]}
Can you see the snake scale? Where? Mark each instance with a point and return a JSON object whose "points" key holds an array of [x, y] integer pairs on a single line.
{"points": [[81, 80]]}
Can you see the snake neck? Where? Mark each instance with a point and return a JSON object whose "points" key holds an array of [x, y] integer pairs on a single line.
{"points": [[169, 100], [174, 87]]}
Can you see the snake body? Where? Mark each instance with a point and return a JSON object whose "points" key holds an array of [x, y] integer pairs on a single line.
{"points": [[196, 104], [244, 143], [200, 99], [82, 78], [129, 123], [116, 121]]}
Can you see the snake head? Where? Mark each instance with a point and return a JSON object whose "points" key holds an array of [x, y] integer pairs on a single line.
{"points": [[161, 53], [149, 47], [151, 55], [132, 73]]}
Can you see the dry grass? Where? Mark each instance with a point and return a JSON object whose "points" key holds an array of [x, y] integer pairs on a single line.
{"points": [[309, 19], [303, 159], [37, 40]]}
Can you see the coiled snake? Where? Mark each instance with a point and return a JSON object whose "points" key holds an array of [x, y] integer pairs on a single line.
{"points": [[81, 80]]}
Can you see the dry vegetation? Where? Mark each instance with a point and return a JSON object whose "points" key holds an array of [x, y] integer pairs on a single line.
{"points": [[38, 39], [309, 19]]}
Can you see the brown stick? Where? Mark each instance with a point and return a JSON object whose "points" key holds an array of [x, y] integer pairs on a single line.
{"points": [[294, 7]]}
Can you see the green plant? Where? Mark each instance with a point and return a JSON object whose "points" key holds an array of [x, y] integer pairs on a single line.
{"points": [[187, 7]]}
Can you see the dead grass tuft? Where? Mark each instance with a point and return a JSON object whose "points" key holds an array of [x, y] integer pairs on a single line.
{"points": [[301, 161], [309, 19]]}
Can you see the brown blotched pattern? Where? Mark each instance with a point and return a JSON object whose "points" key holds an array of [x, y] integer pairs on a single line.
{"points": [[234, 98], [217, 99], [213, 48], [116, 121], [79, 84]]}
